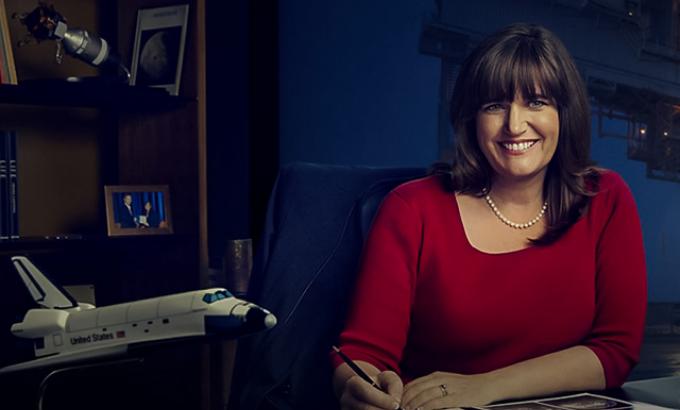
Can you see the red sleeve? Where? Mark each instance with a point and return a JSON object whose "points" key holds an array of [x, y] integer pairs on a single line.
{"points": [[378, 321], [621, 285]]}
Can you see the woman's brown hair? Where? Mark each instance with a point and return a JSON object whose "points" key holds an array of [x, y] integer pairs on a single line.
{"points": [[520, 58]]}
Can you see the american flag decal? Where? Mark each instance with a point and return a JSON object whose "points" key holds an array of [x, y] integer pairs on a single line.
{"points": [[120, 333]]}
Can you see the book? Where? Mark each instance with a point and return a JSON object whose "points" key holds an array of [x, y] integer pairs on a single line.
{"points": [[4, 181], [12, 185]]}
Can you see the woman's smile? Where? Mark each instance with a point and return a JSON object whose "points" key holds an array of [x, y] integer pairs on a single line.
{"points": [[517, 147]]}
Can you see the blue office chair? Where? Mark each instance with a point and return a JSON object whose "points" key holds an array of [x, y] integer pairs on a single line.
{"points": [[304, 272]]}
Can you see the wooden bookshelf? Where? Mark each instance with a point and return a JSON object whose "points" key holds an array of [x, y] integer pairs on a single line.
{"points": [[76, 137]]}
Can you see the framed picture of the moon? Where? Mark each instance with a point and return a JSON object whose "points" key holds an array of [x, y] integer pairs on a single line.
{"points": [[159, 47]]}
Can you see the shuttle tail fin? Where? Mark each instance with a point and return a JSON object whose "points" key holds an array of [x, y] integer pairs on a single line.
{"points": [[43, 291]]}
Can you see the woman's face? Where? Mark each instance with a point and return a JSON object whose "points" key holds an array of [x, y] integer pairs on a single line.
{"points": [[519, 137], [147, 206]]}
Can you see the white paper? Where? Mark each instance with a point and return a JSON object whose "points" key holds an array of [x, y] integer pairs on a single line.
{"points": [[645, 406]]}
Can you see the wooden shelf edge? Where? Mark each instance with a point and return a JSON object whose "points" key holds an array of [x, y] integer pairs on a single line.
{"points": [[105, 94]]}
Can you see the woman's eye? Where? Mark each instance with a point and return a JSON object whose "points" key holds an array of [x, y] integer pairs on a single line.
{"points": [[537, 103], [492, 107]]}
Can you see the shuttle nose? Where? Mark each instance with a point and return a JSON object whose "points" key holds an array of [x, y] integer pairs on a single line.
{"points": [[255, 319], [270, 321], [258, 318]]}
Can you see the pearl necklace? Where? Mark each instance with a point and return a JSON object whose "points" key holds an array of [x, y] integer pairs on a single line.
{"points": [[511, 224]]}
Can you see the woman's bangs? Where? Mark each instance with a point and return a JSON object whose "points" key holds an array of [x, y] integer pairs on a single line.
{"points": [[533, 76], [495, 81], [524, 70]]}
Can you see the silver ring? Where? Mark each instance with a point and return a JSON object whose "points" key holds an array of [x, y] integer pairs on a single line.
{"points": [[443, 389]]}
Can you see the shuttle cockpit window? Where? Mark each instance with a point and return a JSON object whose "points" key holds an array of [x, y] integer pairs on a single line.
{"points": [[215, 296]]}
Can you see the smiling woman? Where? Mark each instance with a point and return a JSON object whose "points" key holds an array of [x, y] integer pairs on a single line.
{"points": [[519, 272]]}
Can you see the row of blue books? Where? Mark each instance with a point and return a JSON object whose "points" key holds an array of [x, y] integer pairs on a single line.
{"points": [[9, 204]]}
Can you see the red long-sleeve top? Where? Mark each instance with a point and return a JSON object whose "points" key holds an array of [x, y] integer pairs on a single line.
{"points": [[426, 300]]}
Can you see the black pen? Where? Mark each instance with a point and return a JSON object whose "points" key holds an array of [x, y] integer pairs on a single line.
{"points": [[359, 371]]}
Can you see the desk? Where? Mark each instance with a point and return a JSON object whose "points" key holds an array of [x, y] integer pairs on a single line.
{"points": [[664, 391]]}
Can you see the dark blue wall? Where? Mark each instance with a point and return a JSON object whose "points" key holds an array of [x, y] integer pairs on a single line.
{"points": [[353, 87]]}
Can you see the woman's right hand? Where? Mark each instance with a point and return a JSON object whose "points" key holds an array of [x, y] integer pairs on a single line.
{"points": [[358, 394]]}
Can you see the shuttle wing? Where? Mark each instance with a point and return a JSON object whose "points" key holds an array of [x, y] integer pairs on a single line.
{"points": [[43, 291]]}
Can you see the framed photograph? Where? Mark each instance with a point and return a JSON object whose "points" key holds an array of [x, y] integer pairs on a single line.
{"points": [[159, 47], [8, 71], [138, 210]]}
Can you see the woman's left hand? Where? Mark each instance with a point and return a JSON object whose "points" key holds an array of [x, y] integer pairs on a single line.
{"points": [[446, 390]]}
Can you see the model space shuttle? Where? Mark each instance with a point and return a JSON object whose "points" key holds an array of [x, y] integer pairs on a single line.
{"points": [[65, 331]]}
